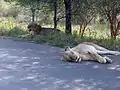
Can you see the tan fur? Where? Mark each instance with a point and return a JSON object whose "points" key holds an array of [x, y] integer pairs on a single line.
{"points": [[88, 51], [34, 28]]}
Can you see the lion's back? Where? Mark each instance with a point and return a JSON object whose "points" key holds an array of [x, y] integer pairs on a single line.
{"points": [[84, 48]]}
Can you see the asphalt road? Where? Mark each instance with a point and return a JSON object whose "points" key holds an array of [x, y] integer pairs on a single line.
{"points": [[28, 66]]}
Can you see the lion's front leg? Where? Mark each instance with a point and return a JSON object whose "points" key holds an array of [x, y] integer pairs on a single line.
{"points": [[78, 59], [108, 59], [99, 58]]}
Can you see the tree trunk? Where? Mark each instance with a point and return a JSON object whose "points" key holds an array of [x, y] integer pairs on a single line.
{"points": [[80, 29], [68, 29], [114, 25], [113, 28], [85, 24], [55, 14], [117, 28], [33, 14], [84, 29]]}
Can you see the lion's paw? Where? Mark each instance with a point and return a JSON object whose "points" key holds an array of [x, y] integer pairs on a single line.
{"points": [[108, 60]]}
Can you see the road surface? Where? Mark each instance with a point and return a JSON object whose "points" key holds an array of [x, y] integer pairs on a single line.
{"points": [[28, 66]]}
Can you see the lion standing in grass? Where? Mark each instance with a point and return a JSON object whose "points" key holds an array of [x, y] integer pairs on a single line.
{"points": [[88, 51]]}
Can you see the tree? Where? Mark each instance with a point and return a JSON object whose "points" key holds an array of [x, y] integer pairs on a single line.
{"points": [[32, 5], [111, 9], [58, 8], [55, 14], [82, 14], [58, 11], [68, 29], [46, 6], [53, 6]]}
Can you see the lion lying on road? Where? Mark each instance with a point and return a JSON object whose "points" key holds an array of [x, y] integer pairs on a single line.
{"points": [[88, 51]]}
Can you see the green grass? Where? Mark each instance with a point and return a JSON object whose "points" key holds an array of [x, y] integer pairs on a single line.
{"points": [[60, 39], [54, 38], [11, 28]]}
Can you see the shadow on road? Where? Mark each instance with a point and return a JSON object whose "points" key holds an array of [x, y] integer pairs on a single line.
{"points": [[27, 66]]}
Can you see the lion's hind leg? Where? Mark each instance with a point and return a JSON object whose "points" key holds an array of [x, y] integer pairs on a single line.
{"points": [[100, 59], [109, 52], [100, 48]]}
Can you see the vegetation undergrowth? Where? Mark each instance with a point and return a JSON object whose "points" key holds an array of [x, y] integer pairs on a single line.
{"points": [[60, 39], [10, 28]]}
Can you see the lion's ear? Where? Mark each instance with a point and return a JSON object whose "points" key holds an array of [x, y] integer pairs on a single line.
{"points": [[67, 48]]}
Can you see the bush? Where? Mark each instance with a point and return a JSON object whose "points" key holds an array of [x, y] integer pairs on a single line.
{"points": [[16, 31], [54, 38], [11, 28], [60, 39]]}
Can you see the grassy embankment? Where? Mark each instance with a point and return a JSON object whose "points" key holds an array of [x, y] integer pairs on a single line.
{"points": [[98, 34]]}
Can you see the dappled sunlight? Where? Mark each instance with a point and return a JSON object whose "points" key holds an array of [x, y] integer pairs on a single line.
{"points": [[43, 69], [61, 23], [114, 67], [3, 55], [96, 66]]}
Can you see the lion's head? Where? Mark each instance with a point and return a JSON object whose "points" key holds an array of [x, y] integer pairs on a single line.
{"points": [[70, 55], [34, 27]]}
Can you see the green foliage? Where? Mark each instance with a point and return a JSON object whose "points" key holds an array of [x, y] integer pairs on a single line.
{"points": [[54, 38], [82, 11], [11, 28], [8, 10], [60, 39], [109, 43], [105, 6], [13, 11], [16, 31]]}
